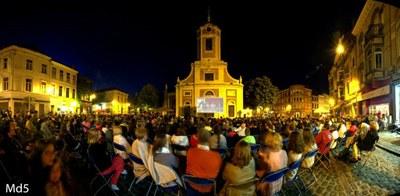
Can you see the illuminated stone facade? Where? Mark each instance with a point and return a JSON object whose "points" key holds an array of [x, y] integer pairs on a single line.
{"points": [[111, 101], [294, 101], [31, 81], [364, 78], [209, 77]]}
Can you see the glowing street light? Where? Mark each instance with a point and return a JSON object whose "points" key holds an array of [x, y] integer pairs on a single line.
{"points": [[340, 48], [331, 102]]}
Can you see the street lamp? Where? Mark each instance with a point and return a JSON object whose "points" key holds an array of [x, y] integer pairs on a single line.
{"points": [[340, 48]]}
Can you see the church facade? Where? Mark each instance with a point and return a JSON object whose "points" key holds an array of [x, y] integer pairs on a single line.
{"points": [[209, 81]]}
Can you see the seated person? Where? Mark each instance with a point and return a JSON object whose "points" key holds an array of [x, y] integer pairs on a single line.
{"points": [[140, 170], [217, 141], [249, 138], [323, 140], [367, 141], [161, 152], [309, 145], [295, 149], [271, 158], [240, 169], [201, 162], [180, 139]]}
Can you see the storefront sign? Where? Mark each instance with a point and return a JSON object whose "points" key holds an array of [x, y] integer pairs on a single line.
{"points": [[376, 93]]}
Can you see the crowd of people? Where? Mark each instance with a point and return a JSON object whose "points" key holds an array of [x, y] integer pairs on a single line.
{"points": [[45, 151]]}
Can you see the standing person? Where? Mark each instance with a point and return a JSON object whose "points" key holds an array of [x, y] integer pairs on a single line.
{"points": [[241, 131], [271, 158]]}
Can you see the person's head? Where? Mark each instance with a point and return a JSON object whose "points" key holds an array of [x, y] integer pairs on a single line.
{"points": [[273, 141], [203, 135], [160, 140], [10, 128], [217, 129], [374, 126], [296, 143], [93, 136], [181, 131], [241, 154], [117, 130], [45, 151], [141, 133], [243, 125], [56, 171], [308, 137]]}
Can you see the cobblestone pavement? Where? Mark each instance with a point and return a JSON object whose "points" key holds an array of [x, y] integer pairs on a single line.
{"points": [[379, 176], [390, 141]]}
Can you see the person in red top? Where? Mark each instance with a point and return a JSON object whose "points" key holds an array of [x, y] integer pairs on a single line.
{"points": [[323, 140], [201, 162]]}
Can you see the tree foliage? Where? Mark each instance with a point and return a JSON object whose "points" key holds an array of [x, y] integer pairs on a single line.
{"points": [[260, 92], [148, 96]]}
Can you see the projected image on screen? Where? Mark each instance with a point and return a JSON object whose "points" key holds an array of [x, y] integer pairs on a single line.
{"points": [[209, 105]]}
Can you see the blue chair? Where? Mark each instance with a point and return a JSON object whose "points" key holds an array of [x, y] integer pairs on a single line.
{"points": [[106, 181], [294, 166], [204, 182], [309, 155], [137, 160], [285, 143], [255, 147], [274, 176], [244, 186], [119, 147]]}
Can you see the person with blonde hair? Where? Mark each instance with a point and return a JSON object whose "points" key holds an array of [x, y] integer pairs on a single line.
{"points": [[309, 145], [366, 141], [240, 169], [271, 158]]}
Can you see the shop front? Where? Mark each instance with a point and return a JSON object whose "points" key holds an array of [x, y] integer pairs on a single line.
{"points": [[377, 101], [396, 102]]}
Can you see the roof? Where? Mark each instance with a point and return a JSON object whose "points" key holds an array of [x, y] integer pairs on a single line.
{"points": [[36, 52], [111, 89]]}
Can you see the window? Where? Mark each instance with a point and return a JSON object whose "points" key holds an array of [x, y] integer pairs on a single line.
{"points": [[53, 88], [378, 59], [209, 93], [44, 68], [208, 76], [43, 87], [209, 44], [5, 63], [28, 85], [60, 89], [53, 73], [67, 93], [61, 75], [73, 79], [5, 84], [73, 93], [118, 98], [188, 93], [29, 65], [68, 77]]}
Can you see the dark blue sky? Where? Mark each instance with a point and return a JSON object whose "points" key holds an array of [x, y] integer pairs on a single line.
{"points": [[128, 45]]}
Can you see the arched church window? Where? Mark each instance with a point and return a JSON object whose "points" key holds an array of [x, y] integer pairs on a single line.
{"points": [[209, 93]]}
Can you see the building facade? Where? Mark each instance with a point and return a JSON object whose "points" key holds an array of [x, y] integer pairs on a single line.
{"points": [[209, 79], [31, 81], [111, 101], [364, 79], [294, 101]]}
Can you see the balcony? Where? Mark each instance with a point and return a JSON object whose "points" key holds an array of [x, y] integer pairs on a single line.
{"points": [[374, 31]]}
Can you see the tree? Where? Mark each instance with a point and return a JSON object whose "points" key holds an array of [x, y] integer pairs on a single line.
{"points": [[148, 96], [260, 92]]}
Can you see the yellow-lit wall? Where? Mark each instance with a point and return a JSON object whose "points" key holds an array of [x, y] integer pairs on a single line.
{"points": [[115, 101], [43, 98], [223, 85]]}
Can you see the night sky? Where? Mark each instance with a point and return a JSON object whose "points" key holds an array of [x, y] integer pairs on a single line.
{"points": [[128, 45]]}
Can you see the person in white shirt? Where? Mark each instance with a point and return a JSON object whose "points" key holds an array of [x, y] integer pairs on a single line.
{"points": [[241, 131]]}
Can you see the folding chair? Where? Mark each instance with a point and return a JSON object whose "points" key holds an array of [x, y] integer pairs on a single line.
{"points": [[274, 176], [98, 171], [230, 188], [119, 147], [293, 166], [309, 155], [139, 161], [320, 156], [201, 182]]}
